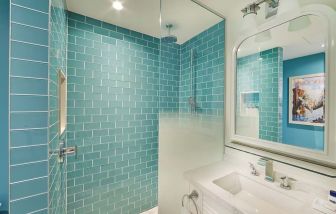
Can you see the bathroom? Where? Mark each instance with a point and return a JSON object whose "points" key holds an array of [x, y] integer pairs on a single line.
{"points": [[168, 106]]}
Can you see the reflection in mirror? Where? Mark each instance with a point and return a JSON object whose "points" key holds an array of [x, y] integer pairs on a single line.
{"points": [[280, 90]]}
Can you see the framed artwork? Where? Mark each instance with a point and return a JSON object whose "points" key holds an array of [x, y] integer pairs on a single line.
{"points": [[307, 100]]}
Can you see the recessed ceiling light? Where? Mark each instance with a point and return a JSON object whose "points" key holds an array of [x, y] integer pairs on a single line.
{"points": [[117, 5], [323, 45]]}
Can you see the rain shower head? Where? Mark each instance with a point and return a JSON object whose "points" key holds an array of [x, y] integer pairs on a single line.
{"points": [[170, 38]]}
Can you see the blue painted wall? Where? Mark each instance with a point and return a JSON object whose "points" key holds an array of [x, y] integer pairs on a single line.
{"points": [[29, 106], [311, 137], [4, 50]]}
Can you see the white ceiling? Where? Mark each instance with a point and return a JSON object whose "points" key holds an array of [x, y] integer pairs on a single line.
{"points": [[143, 16]]}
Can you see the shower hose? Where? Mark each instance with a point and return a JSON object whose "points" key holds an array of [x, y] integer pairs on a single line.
{"points": [[192, 196]]}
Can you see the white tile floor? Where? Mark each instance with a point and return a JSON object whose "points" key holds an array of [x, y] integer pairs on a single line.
{"points": [[152, 211]]}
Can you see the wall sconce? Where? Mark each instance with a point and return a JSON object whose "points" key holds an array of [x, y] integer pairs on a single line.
{"points": [[251, 10], [255, 6]]}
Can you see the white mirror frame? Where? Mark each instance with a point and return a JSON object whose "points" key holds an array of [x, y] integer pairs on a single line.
{"points": [[326, 157]]}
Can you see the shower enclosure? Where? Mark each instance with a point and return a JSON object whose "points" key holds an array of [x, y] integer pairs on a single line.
{"points": [[138, 95], [191, 97]]}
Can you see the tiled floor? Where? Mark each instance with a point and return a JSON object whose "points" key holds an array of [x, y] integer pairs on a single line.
{"points": [[152, 211]]}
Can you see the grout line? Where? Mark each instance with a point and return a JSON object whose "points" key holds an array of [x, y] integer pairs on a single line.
{"points": [[38, 211], [29, 129], [26, 77], [38, 95], [28, 60], [28, 112], [29, 43], [32, 179], [29, 8], [34, 145], [22, 164], [18, 23], [14, 200]]}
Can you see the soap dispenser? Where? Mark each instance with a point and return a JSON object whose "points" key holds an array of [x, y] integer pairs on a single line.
{"points": [[332, 196]]}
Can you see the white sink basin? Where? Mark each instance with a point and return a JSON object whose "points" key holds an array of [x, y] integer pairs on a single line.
{"points": [[255, 197]]}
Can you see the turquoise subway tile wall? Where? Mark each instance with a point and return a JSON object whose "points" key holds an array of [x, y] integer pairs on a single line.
{"points": [[170, 67], [208, 67], [29, 23], [113, 105], [57, 63], [261, 73], [4, 110], [114, 88]]}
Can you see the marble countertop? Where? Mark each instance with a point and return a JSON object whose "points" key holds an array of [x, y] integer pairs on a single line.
{"points": [[202, 178]]}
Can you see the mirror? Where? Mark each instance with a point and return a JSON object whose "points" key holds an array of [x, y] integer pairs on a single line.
{"points": [[280, 85], [62, 102]]}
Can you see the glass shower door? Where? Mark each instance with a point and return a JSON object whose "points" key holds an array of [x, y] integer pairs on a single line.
{"points": [[191, 96]]}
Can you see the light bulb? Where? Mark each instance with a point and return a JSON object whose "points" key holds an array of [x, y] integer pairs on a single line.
{"points": [[117, 5]]}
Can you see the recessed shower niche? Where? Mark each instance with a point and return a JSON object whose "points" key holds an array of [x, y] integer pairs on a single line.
{"points": [[62, 102]]}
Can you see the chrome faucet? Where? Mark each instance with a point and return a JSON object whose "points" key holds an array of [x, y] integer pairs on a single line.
{"points": [[269, 174], [286, 182], [253, 170]]}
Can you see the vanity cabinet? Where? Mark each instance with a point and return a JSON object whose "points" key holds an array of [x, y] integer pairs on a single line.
{"points": [[208, 205], [212, 207]]}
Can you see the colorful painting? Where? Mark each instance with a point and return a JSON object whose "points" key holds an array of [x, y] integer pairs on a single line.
{"points": [[307, 100]]}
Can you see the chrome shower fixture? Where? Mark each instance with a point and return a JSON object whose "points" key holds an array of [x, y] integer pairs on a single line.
{"points": [[255, 6], [251, 9], [169, 38]]}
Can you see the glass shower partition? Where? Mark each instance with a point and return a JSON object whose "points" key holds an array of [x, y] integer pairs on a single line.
{"points": [[57, 65], [191, 96]]}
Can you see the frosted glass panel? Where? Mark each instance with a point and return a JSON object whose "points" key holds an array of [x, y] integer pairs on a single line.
{"points": [[191, 97]]}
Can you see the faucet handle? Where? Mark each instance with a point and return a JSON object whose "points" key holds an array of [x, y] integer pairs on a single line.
{"points": [[287, 178], [253, 169], [285, 182]]}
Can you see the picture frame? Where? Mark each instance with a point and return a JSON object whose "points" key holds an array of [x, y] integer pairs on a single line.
{"points": [[307, 100]]}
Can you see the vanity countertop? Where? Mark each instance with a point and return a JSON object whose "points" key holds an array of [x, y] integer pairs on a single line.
{"points": [[203, 178]]}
